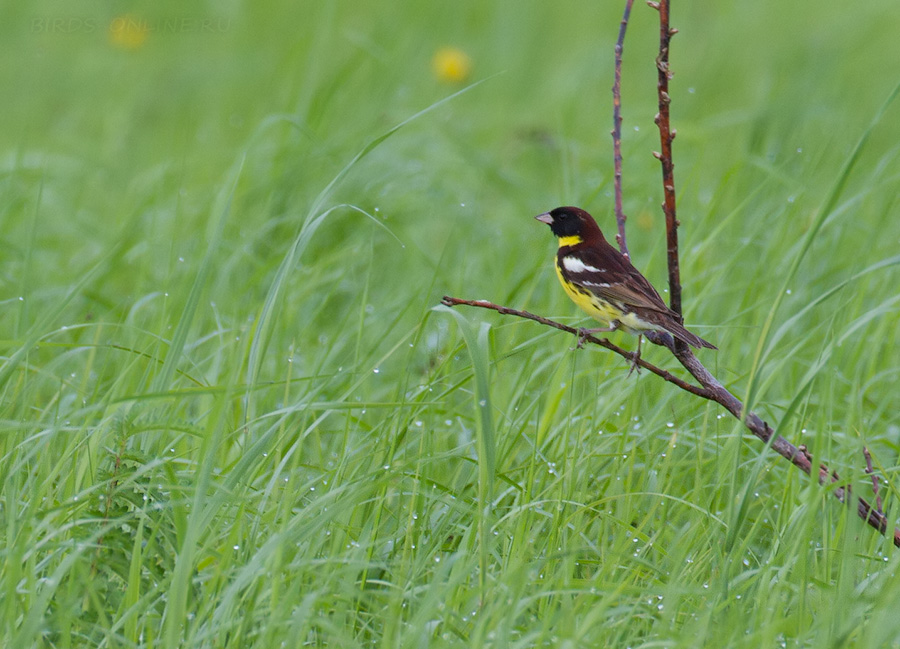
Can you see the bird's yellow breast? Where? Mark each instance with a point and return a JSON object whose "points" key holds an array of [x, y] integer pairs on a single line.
{"points": [[602, 310], [597, 308]]}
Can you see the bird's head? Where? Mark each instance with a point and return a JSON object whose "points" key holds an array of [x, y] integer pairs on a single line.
{"points": [[571, 225]]}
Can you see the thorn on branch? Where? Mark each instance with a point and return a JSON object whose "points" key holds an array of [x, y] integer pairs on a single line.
{"points": [[653, 5], [657, 155], [803, 449], [871, 472], [673, 133], [673, 31]]}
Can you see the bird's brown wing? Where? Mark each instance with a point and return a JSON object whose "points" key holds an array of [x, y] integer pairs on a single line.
{"points": [[610, 276]]}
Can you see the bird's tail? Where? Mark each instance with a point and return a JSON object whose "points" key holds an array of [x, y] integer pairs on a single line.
{"points": [[677, 329]]}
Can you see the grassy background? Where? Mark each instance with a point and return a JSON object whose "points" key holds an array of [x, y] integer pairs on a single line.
{"points": [[232, 417]]}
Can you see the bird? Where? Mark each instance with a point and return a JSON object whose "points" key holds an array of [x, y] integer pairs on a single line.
{"points": [[602, 281]]}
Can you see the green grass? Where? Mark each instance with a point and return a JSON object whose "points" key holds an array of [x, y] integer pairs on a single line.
{"points": [[232, 415]]}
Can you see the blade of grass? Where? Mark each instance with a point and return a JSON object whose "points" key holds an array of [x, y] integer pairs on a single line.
{"points": [[176, 348], [478, 346], [315, 217], [823, 213]]}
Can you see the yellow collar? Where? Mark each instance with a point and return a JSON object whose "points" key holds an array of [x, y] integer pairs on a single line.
{"points": [[573, 240]]}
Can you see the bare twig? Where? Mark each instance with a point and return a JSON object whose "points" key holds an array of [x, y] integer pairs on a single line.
{"points": [[872, 473], [666, 135], [603, 342], [714, 391], [617, 131]]}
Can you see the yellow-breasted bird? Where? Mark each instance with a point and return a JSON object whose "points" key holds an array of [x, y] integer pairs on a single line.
{"points": [[602, 281]]}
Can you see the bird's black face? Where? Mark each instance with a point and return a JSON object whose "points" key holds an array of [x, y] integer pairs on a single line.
{"points": [[564, 221]]}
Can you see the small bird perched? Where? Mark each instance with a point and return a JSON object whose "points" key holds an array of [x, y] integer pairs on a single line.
{"points": [[601, 280]]}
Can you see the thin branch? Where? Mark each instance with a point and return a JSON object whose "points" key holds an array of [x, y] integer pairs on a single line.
{"points": [[714, 391], [617, 131], [603, 342], [666, 135]]}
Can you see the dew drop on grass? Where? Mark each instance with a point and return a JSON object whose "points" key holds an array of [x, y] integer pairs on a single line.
{"points": [[181, 259], [482, 403], [376, 371], [419, 424]]}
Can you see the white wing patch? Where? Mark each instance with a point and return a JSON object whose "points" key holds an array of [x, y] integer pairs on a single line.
{"points": [[597, 284], [575, 265]]}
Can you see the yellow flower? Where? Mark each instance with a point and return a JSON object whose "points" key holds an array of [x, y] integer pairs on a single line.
{"points": [[451, 65], [128, 32]]}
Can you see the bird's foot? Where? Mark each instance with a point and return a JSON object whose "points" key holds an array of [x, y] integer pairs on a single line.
{"points": [[583, 333], [635, 357]]}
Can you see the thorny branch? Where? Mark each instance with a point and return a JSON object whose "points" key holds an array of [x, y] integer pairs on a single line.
{"points": [[666, 135], [711, 388], [617, 130]]}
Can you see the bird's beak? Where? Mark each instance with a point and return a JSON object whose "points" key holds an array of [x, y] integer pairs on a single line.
{"points": [[545, 218]]}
